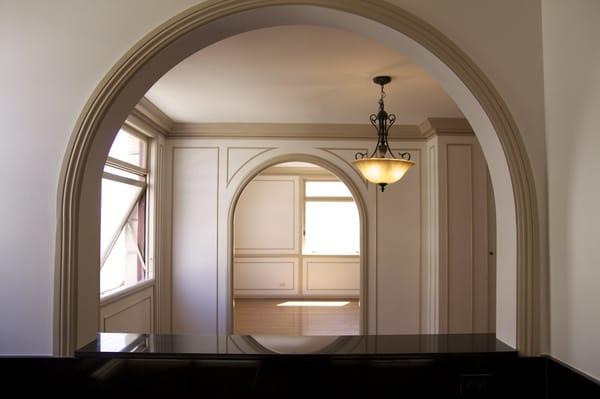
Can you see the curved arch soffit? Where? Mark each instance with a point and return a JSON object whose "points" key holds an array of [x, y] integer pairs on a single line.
{"points": [[209, 22]]}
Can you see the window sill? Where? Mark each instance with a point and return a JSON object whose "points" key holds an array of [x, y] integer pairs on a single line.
{"points": [[124, 292]]}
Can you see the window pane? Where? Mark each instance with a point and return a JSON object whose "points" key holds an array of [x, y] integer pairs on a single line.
{"points": [[117, 200], [129, 148], [326, 189], [332, 228], [123, 267]]}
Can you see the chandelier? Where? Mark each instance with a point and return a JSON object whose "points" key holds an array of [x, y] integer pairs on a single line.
{"points": [[382, 167]]}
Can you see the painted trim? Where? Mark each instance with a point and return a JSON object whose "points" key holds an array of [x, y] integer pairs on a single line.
{"points": [[125, 292], [445, 127], [294, 248], [532, 276], [320, 131], [294, 290], [229, 175], [364, 228], [148, 115], [291, 130]]}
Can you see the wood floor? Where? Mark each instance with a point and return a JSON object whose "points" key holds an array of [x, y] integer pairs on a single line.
{"points": [[264, 317]]}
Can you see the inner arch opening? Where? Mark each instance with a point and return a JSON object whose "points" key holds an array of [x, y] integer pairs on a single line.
{"points": [[296, 254]]}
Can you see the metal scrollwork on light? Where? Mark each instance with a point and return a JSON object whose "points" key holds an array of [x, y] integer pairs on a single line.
{"points": [[404, 155], [361, 155], [382, 166]]}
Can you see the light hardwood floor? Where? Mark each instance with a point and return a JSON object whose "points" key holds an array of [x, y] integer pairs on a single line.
{"points": [[264, 317]]}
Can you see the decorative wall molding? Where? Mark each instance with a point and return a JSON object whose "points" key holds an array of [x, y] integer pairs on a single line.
{"points": [[234, 166], [331, 285], [145, 114], [429, 127], [250, 215], [341, 153], [262, 269], [445, 127], [129, 306], [291, 130]]}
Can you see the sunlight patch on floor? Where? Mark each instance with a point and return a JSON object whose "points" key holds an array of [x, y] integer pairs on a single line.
{"points": [[314, 303]]}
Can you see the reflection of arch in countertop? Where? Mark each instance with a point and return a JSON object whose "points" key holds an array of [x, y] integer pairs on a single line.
{"points": [[282, 345], [295, 344]]}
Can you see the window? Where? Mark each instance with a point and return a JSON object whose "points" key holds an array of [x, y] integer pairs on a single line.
{"points": [[331, 221], [123, 214]]}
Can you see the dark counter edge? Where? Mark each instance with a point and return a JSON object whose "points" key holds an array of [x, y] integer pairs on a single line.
{"points": [[500, 349]]}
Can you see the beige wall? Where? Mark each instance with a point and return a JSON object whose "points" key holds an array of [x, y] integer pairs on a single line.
{"points": [[270, 259], [572, 78], [462, 236], [201, 251], [395, 234], [60, 51]]}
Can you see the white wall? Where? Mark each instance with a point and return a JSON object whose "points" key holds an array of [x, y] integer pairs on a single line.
{"points": [[56, 53], [572, 80]]}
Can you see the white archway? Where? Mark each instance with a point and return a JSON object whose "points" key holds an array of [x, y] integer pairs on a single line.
{"points": [[334, 165], [77, 282]]}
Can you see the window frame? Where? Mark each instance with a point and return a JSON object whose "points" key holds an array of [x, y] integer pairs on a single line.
{"points": [[145, 175], [305, 199]]}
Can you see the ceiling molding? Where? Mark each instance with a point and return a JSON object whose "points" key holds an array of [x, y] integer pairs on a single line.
{"points": [[445, 127], [147, 115], [290, 130]]}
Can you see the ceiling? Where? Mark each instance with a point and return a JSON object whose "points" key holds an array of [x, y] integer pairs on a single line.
{"points": [[297, 74]]}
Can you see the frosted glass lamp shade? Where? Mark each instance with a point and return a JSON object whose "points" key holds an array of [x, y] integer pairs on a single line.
{"points": [[383, 171]]}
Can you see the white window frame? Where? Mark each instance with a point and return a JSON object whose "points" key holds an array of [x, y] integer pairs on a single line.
{"points": [[144, 173], [306, 199]]}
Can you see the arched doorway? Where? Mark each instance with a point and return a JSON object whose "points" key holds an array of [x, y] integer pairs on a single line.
{"points": [[252, 171], [76, 298]]}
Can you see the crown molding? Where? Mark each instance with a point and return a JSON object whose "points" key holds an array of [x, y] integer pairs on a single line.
{"points": [[289, 130], [445, 127], [147, 115]]}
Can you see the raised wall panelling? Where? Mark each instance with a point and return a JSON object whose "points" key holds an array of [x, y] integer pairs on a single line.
{"points": [[132, 312], [194, 259], [399, 252], [347, 156], [399, 233], [265, 276], [331, 276], [240, 156], [460, 203], [267, 217]]}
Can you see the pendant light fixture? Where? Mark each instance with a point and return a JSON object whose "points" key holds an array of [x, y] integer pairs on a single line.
{"points": [[381, 166]]}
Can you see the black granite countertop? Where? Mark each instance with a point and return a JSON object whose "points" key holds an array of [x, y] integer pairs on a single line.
{"points": [[141, 346]]}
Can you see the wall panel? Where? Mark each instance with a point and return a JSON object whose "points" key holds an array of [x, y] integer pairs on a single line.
{"points": [[131, 312], [267, 216], [399, 253], [195, 189], [331, 276], [265, 276]]}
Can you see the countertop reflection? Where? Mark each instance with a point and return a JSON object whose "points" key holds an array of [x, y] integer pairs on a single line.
{"points": [[125, 345]]}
